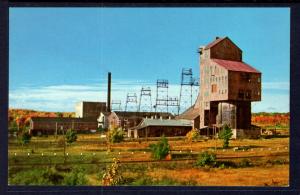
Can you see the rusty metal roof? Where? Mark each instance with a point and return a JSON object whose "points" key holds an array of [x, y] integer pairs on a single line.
{"points": [[216, 41], [235, 66], [190, 114]]}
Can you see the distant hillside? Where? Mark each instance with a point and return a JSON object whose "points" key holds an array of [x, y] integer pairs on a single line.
{"points": [[271, 119], [19, 118]]}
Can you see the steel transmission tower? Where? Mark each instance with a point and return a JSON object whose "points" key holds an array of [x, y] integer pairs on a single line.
{"points": [[145, 97], [187, 89], [131, 102], [161, 102], [116, 105], [164, 103], [173, 105]]}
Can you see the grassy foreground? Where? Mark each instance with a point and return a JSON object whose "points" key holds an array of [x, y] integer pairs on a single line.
{"points": [[260, 162]]}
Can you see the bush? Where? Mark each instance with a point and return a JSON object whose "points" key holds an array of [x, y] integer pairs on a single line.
{"points": [[25, 137], [71, 136], [206, 159], [225, 134], [115, 135], [112, 175], [193, 135], [75, 178], [161, 149], [37, 176]]}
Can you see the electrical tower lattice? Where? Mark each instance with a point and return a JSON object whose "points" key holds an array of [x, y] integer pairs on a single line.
{"points": [[145, 97], [188, 89], [116, 105], [163, 102], [131, 102]]}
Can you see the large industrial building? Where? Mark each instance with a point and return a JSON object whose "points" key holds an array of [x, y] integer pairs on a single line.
{"points": [[227, 87]]}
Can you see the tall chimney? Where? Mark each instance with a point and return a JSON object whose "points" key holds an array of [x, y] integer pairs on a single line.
{"points": [[108, 109]]}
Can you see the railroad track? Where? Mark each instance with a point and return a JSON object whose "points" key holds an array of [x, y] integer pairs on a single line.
{"points": [[148, 161]]}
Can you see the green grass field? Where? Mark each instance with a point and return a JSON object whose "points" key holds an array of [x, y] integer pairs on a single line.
{"points": [[42, 162]]}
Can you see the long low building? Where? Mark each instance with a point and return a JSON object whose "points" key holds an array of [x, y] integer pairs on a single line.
{"points": [[52, 125], [158, 127], [127, 120]]}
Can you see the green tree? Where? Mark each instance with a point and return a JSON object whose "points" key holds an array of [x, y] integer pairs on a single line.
{"points": [[71, 136], [161, 149], [115, 135], [225, 134]]}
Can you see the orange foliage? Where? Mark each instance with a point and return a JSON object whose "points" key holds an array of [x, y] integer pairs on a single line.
{"points": [[22, 116], [271, 119]]}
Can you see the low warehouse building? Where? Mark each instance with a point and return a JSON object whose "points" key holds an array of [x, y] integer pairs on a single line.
{"points": [[53, 125], [159, 127], [126, 120]]}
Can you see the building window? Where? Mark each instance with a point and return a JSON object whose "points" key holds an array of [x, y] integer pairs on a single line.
{"points": [[258, 79], [214, 88]]}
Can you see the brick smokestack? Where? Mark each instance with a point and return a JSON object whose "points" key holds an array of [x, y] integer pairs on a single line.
{"points": [[108, 108]]}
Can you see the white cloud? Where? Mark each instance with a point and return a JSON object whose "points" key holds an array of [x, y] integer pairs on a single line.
{"points": [[64, 97]]}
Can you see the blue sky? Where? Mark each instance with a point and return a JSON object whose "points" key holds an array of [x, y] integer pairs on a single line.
{"points": [[59, 56]]}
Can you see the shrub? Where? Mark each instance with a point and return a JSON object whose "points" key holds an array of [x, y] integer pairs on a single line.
{"points": [[161, 149], [112, 175], [76, 177], [36, 176], [71, 136], [206, 159], [25, 137], [192, 135], [115, 135], [225, 134]]}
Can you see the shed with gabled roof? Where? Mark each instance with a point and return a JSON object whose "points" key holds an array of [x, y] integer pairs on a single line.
{"points": [[159, 127]]}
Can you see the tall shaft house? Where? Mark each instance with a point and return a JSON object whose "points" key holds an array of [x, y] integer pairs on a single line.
{"points": [[227, 87]]}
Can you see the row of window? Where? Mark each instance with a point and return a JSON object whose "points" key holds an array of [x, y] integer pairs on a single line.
{"points": [[214, 89], [218, 79], [248, 78], [246, 94]]}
